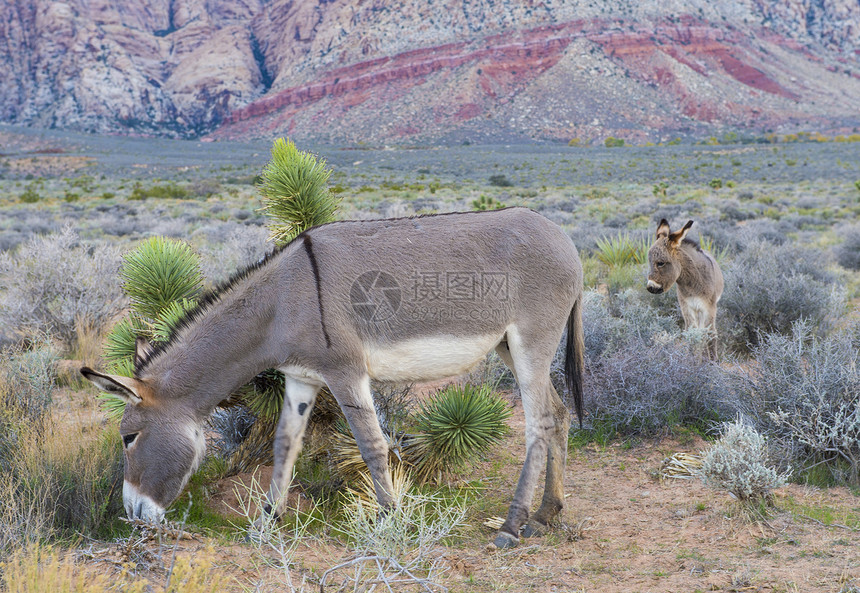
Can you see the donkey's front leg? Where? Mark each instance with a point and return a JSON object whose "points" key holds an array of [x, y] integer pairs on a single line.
{"points": [[299, 399], [356, 401]]}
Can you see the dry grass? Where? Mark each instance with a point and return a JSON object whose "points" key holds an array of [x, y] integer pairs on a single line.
{"points": [[42, 570]]}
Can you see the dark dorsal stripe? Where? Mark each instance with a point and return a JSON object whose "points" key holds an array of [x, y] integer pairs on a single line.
{"points": [[309, 248]]}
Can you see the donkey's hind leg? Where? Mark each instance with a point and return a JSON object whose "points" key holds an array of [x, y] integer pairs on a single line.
{"points": [[531, 364], [356, 401], [299, 399], [556, 460]]}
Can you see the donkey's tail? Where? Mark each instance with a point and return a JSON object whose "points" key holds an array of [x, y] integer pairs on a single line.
{"points": [[574, 357]]}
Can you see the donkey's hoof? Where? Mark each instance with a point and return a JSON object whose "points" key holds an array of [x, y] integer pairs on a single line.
{"points": [[505, 540], [534, 529]]}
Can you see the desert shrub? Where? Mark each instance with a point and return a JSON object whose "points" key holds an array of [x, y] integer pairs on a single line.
{"points": [[500, 181], [848, 252], [738, 462], [804, 392], [768, 288], [54, 479], [56, 282], [611, 323], [642, 388], [613, 142], [409, 535], [169, 190], [228, 247]]}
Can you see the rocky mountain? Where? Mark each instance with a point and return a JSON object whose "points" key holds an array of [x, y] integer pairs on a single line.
{"points": [[431, 70]]}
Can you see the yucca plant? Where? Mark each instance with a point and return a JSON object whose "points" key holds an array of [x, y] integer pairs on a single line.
{"points": [[454, 426], [720, 253], [295, 190], [621, 250], [159, 273], [163, 280]]}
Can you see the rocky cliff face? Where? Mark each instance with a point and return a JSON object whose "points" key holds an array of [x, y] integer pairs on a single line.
{"points": [[377, 71]]}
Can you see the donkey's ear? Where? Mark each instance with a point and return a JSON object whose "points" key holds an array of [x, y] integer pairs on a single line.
{"points": [[142, 350], [124, 387], [663, 228], [678, 236]]}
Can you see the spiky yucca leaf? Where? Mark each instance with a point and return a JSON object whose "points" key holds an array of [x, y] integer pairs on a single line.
{"points": [[264, 395], [295, 191], [346, 456], [454, 426], [118, 350], [362, 491], [160, 272], [112, 405], [169, 318], [621, 250]]}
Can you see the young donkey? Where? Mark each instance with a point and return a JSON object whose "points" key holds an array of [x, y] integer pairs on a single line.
{"points": [[674, 258], [410, 299]]}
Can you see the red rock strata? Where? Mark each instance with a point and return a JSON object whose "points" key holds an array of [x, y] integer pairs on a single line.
{"points": [[509, 62]]}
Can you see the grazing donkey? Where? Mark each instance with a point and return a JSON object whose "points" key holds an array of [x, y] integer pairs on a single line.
{"points": [[410, 299], [675, 259]]}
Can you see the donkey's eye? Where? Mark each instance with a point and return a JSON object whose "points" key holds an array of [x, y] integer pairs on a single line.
{"points": [[660, 264], [128, 439]]}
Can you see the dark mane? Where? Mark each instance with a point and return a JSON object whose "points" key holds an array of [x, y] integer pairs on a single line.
{"points": [[208, 298], [213, 295], [692, 243]]}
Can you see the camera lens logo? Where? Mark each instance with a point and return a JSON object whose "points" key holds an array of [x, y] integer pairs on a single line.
{"points": [[375, 296]]}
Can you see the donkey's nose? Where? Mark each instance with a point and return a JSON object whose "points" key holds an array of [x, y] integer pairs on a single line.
{"points": [[140, 506], [653, 287]]}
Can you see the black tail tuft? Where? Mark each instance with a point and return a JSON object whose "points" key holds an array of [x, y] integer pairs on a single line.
{"points": [[574, 357]]}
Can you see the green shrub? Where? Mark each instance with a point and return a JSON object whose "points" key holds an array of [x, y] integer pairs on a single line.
{"points": [[30, 195], [170, 190], [612, 142], [715, 183], [660, 189], [500, 181], [484, 202]]}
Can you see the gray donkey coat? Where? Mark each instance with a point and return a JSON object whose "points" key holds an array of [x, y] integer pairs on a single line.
{"points": [[405, 300]]}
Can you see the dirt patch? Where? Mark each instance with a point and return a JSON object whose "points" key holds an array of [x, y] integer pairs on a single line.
{"points": [[623, 529]]}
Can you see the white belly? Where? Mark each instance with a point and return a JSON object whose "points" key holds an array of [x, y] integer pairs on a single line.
{"points": [[426, 359]]}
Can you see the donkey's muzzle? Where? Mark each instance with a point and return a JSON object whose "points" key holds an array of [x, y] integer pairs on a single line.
{"points": [[653, 287], [139, 506]]}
